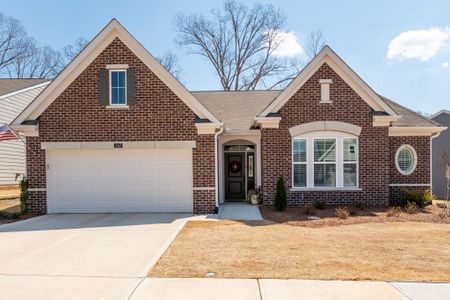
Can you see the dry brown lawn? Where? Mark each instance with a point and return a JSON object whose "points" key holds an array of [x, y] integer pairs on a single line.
{"points": [[369, 251]]}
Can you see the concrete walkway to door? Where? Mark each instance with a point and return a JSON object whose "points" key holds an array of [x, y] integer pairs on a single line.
{"points": [[239, 211]]}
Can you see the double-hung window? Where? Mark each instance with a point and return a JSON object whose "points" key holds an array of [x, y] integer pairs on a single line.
{"points": [[325, 160], [118, 87], [300, 163]]}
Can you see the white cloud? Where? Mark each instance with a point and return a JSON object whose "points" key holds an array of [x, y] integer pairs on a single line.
{"points": [[418, 44], [445, 65], [288, 45]]}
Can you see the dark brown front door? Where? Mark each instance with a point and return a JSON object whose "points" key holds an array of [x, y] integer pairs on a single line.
{"points": [[234, 176]]}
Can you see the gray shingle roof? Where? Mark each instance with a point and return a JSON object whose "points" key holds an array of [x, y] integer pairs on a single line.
{"points": [[236, 110], [408, 118], [11, 85]]}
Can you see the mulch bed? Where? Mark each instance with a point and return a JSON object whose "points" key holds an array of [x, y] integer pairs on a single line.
{"points": [[297, 217]]}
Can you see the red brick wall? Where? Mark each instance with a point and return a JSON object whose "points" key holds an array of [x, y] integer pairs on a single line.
{"points": [[421, 174], [346, 106], [157, 115]]}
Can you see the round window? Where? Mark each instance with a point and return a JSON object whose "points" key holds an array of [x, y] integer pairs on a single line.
{"points": [[406, 159]]}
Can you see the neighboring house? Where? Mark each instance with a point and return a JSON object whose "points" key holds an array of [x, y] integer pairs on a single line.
{"points": [[15, 95], [116, 132], [441, 154]]}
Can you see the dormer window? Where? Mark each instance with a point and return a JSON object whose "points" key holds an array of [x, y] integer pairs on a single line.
{"points": [[325, 90], [118, 87]]}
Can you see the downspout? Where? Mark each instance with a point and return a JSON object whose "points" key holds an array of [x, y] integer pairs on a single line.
{"points": [[216, 167], [431, 160]]}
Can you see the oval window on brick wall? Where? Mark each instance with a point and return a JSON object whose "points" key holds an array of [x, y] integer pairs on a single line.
{"points": [[406, 159]]}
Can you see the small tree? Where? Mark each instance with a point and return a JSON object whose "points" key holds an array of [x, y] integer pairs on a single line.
{"points": [[24, 195], [280, 202]]}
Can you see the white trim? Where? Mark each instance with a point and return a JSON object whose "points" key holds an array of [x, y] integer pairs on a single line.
{"points": [[204, 188], [113, 30], [325, 125], [414, 162], [208, 128], [328, 56], [268, 122], [384, 120], [409, 184], [117, 66], [120, 105], [325, 189], [27, 130], [24, 90], [431, 160], [442, 111], [117, 106], [415, 131], [37, 189], [110, 145]]}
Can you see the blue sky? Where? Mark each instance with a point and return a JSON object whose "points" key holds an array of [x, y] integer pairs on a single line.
{"points": [[416, 72]]}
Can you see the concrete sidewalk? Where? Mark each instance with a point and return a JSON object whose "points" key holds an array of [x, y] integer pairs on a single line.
{"points": [[271, 289]]}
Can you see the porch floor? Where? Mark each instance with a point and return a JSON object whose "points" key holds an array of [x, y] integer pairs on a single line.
{"points": [[240, 211]]}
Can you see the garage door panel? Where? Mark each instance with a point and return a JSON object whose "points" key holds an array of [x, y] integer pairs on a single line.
{"points": [[138, 180]]}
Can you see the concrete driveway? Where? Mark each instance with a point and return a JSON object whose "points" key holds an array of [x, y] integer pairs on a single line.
{"points": [[82, 256]]}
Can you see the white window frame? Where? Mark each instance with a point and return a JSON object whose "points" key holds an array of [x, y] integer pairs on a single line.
{"points": [[414, 164], [335, 162], [300, 162], [339, 137], [110, 88]]}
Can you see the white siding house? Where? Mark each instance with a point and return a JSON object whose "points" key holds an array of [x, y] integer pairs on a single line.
{"points": [[15, 95]]}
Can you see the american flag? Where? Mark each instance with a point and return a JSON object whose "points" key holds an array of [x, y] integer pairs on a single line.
{"points": [[6, 134]]}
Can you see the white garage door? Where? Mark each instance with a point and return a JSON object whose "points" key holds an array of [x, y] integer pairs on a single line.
{"points": [[132, 180]]}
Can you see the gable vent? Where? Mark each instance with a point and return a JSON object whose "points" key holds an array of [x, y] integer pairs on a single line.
{"points": [[325, 90]]}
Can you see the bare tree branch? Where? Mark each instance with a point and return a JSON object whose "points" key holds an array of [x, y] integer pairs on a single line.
{"points": [[13, 40], [69, 52], [316, 41], [170, 61]]}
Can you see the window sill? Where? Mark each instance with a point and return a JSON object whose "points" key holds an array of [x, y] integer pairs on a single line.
{"points": [[326, 101], [117, 106], [322, 189]]}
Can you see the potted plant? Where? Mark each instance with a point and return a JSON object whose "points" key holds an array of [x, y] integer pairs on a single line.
{"points": [[254, 196]]}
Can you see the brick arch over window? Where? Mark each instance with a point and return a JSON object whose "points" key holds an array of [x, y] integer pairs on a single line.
{"points": [[325, 125]]}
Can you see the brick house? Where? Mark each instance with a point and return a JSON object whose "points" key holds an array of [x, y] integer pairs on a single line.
{"points": [[116, 132]]}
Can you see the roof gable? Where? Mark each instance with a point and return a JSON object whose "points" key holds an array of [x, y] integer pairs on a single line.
{"points": [[113, 30], [328, 56]]}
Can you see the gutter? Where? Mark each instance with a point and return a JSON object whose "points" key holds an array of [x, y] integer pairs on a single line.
{"points": [[431, 159], [216, 167]]}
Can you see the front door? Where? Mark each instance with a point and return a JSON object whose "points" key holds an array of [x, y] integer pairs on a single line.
{"points": [[234, 176]]}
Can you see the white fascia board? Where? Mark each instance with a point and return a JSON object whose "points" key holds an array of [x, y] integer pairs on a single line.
{"points": [[113, 30], [415, 131], [327, 55]]}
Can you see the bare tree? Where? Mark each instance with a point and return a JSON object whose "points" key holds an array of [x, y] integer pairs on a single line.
{"points": [[241, 43], [13, 40], [170, 61], [69, 52], [37, 62], [316, 41]]}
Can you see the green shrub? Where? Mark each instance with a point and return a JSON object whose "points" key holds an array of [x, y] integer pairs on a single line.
{"points": [[308, 209], [420, 198], [280, 202], [320, 204], [342, 212], [9, 215], [24, 195]]}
